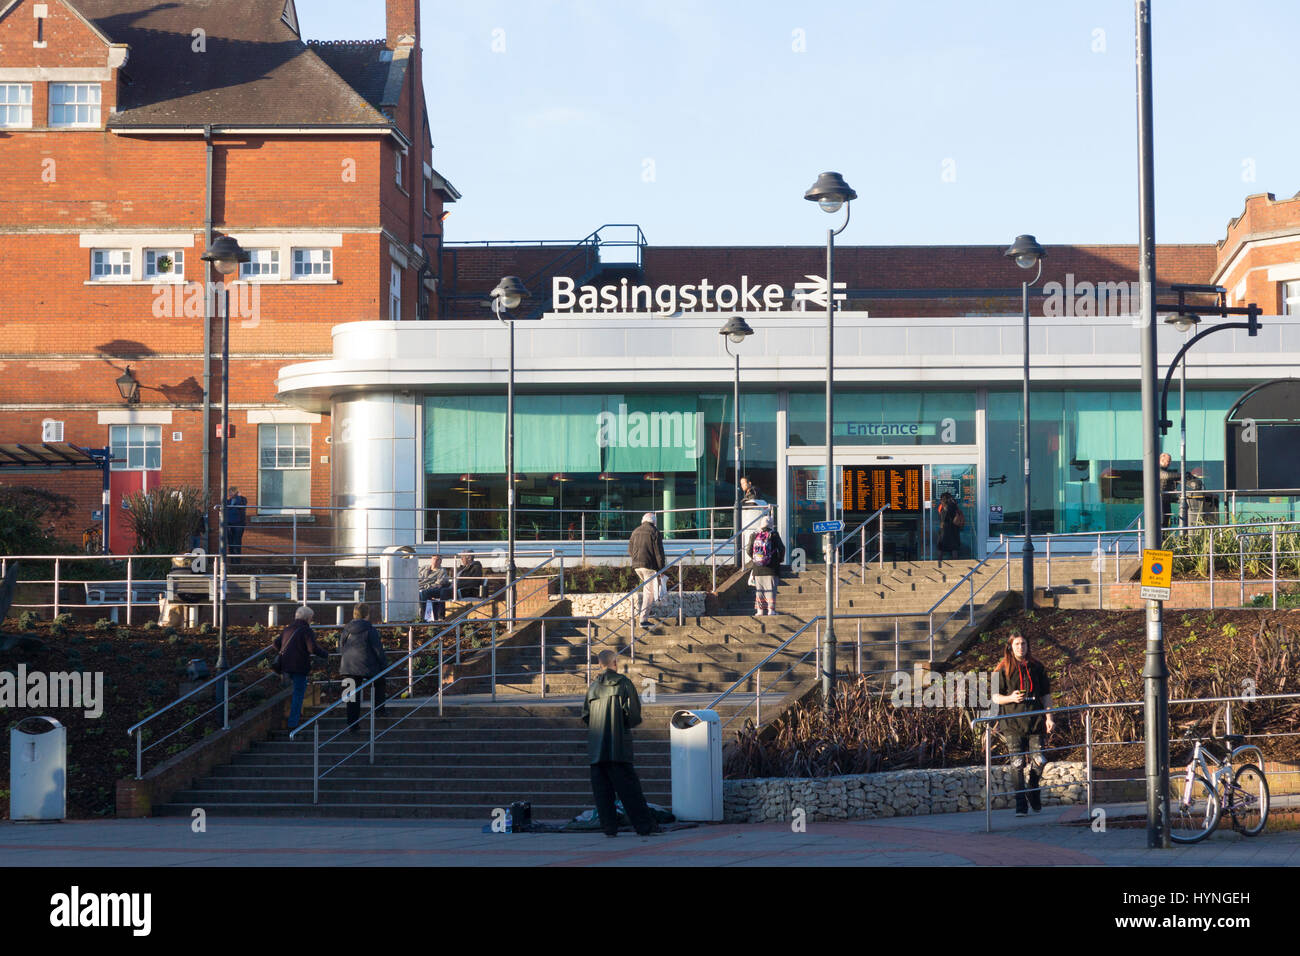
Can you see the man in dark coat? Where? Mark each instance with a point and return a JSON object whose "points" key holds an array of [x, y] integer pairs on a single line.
{"points": [[469, 577], [236, 511], [646, 549], [362, 658], [611, 710], [296, 645]]}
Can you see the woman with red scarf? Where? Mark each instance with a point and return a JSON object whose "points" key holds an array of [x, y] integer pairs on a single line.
{"points": [[1020, 685]]}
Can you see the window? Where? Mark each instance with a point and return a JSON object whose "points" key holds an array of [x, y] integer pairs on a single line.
{"points": [[164, 264], [284, 468], [312, 263], [1291, 298], [428, 188], [262, 264], [74, 104], [395, 293], [397, 164], [110, 264], [16, 105], [135, 447]]}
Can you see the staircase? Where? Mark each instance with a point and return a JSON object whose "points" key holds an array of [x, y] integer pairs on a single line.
{"points": [[482, 755]]}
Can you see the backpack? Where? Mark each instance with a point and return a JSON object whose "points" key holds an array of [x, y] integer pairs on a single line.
{"points": [[762, 548]]}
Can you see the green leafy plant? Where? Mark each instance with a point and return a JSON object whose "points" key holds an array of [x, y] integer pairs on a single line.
{"points": [[28, 620], [103, 626], [164, 518]]}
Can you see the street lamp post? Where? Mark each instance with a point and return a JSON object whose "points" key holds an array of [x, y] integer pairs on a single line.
{"points": [[225, 255], [830, 192], [1184, 324], [736, 330], [509, 292], [1027, 253]]}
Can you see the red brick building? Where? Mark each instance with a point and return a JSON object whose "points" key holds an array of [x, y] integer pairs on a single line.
{"points": [[131, 134]]}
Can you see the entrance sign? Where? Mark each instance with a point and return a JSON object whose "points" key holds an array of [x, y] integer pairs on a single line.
{"points": [[1157, 574], [874, 486]]}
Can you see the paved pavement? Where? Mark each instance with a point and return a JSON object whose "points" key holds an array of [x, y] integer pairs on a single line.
{"points": [[948, 840]]}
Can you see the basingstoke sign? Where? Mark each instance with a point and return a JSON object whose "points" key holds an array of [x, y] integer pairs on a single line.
{"points": [[666, 300]]}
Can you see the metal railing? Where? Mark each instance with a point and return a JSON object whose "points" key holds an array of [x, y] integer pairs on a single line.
{"points": [[860, 532], [1090, 746], [142, 729]]}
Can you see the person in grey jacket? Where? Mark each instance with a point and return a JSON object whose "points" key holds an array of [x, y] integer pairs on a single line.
{"points": [[363, 657], [646, 549], [611, 710], [435, 586]]}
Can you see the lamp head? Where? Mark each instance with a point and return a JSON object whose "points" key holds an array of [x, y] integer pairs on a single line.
{"points": [[1026, 251], [736, 329], [830, 192], [509, 292], [128, 387], [1183, 322], [226, 254]]}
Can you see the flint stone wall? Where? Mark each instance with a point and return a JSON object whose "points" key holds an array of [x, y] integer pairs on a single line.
{"points": [[899, 793]]}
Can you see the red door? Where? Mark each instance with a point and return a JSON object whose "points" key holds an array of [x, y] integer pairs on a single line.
{"points": [[137, 466]]}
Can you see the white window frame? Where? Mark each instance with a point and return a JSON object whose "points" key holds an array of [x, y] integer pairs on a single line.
{"points": [[91, 104], [395, 292], [292, 446], [265, 260], [151, 257], [1291, 297], [312, 263], [113, 271], [129, 437], [8, 103], [397, 163]]}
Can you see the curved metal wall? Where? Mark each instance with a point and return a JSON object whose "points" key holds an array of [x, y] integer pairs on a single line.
{"points": [[375, 462]]}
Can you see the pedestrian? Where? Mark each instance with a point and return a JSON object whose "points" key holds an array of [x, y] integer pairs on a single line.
{"points": [[469, 577], [236, 505], [198, 538], [1020, 684], [749, 492], [610, 711], [435, 588], [363, 657], [294, 649], [951, 521], [766, 553], [646, 549], [1168, 488]]}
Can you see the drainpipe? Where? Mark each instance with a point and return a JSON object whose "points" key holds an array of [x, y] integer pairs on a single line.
{"points": [[207, 327]]}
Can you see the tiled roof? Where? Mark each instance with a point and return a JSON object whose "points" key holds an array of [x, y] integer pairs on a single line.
{"points": [[253, 69], [364, 64]]}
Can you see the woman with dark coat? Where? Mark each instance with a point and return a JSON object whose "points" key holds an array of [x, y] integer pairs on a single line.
{"points": [[363, 658], [951, 520], [296, 646]]}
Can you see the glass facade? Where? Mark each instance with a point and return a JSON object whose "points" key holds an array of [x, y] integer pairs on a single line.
{"points": [[1086, 455], [589, 464]]}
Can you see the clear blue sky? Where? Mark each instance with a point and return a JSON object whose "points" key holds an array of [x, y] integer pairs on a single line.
{"points": [[957, 121]]}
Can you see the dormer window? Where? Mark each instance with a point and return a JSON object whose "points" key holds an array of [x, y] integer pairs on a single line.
{"points": [[74, 104]]}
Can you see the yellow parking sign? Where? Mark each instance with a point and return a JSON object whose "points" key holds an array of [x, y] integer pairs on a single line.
{"points": [[1157, 574]]}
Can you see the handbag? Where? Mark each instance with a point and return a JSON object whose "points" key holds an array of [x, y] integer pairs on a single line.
{"points": [[277, 662]]}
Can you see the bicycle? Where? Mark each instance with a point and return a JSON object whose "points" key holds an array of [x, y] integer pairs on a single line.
{"points": [[1198, 800]]}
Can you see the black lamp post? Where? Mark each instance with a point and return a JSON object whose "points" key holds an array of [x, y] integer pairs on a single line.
{"points": [[1184, 324], [128, 387], [225, 255], [830, 192], [509, 292], [736, 330], [1027, 253]]}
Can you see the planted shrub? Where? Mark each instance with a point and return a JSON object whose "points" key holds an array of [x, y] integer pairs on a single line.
{"points": [[28, 620]]}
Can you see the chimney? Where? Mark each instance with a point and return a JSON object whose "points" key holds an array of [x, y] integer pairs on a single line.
{"points": [[402, 20]]}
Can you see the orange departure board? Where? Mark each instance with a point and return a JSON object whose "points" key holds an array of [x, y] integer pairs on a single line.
{"points": [[873, 487]]}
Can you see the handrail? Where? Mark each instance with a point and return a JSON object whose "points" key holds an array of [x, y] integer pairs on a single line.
{"points": [[872, 517], [204, 686], [459, 619]]}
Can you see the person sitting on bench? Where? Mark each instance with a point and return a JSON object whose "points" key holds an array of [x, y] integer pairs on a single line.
{"points": [[435, 586], [469, 577]]}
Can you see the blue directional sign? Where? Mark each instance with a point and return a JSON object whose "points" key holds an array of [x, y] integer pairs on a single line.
{"points": [[823, 527]]}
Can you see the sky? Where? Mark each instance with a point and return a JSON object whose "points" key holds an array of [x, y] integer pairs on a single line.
{"points": [[956, 121]]}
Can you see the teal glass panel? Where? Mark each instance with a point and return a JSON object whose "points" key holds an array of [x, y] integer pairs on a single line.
{"points": [[884, 418]]}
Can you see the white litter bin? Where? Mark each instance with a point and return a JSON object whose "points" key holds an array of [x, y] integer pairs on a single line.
{"points": [[695, 744], [399, 584], [38, 770]]}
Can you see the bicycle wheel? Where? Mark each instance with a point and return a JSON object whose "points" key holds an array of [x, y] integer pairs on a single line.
{"points": [[1193, 814], [1247, 800]]}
